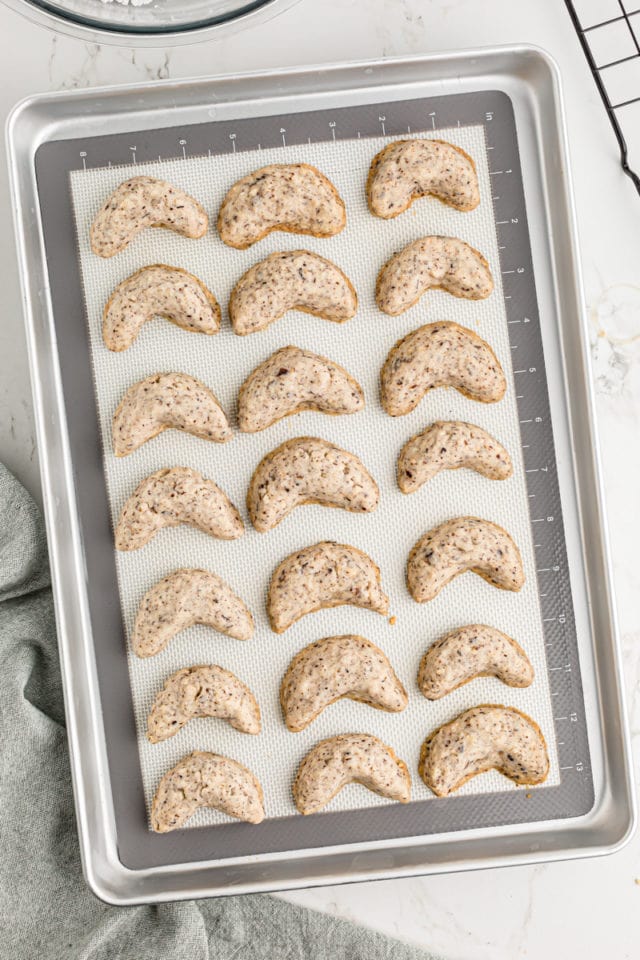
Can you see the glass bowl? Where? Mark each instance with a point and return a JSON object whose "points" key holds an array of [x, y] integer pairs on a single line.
{"points": [[157, 23]]}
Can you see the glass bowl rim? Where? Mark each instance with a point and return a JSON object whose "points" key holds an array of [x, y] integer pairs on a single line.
{"points": [[75, 25]]}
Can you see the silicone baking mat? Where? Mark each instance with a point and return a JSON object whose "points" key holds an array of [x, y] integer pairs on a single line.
{"points": [[527, 505]]}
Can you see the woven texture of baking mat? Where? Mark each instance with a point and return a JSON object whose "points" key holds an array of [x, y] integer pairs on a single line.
{"points": [[360, 345]]}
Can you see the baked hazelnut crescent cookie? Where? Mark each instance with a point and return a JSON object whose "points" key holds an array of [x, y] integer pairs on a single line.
{"points": [[144, 202], [441, 354], [206, 780], [349, 758], [166, 401], [469, 652], [348, 667], [308, 470], [458, 545], [406, 170], [432, 263], [293, 197], [182, 599], [202, 691], [173, 496], [326, 574], [158, 291], [486, 737], [451, 445], [290, 280], [292, 380]]}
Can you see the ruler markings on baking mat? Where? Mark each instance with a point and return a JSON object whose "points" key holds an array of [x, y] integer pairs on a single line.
{"points": [[573, 795]]}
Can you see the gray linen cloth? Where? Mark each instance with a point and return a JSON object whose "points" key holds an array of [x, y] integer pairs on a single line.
{"points": [[46, 911]]}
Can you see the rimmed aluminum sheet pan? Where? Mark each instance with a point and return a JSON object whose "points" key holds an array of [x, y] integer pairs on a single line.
{"points": [[591, 809]]}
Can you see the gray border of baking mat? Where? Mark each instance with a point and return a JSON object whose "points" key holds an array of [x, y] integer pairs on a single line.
{"points": [[139, 848]]}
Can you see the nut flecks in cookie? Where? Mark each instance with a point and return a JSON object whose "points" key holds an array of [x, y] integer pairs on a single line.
{"points": [[293, 197], [335, 667], [166, 401], [349, 758], [142, 202], [292, 380], [206, 780], [486, 737], [451, 445], [182, 599], [326, 574], [409, 169], [290, 280], [441, 354], [308, 470], [202, 691], [469, 652], [174, 496], [459, 545], [432, 263], [158, 291]]}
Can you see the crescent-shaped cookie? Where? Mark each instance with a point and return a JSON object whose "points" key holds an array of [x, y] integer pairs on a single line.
{"points": [[432, 263], [348, 667], [292, 380], [451, 445], [144, 202], [308, 470], [465, 543], [486, 737], [441, 354], [202, 691], [290, 280], [170, 497], [349, 758], [408, 169], [184, 598], [326, 574], [158, 291], [206, 780], [293, 197], [469, 652], [166, 401]]}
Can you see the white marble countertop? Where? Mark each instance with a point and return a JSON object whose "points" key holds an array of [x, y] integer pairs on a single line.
{"points": [[590, 908]]}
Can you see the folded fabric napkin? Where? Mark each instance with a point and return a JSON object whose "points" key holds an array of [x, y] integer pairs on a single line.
{"points": [[47, 911]]}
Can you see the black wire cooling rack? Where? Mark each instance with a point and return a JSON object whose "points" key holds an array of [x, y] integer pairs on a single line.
{"points": [[609, 31]]}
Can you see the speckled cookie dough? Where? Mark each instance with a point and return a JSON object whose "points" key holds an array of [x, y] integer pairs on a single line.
{"points": [[158, 291], [326, 574], [349, 758], [292, 380], [451, 445], [465, 543], [406, 170], [441, 354], [469, 652], [293, 197], [432, 263], [486, 737], [182, 599], [202, 691], [170, 497], [348, 667], [308, 470], [290, 280], [145, 202], [206, 780], [166, 401]]}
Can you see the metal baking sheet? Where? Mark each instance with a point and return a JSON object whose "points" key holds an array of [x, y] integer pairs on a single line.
{"points": [[538, 279]]}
